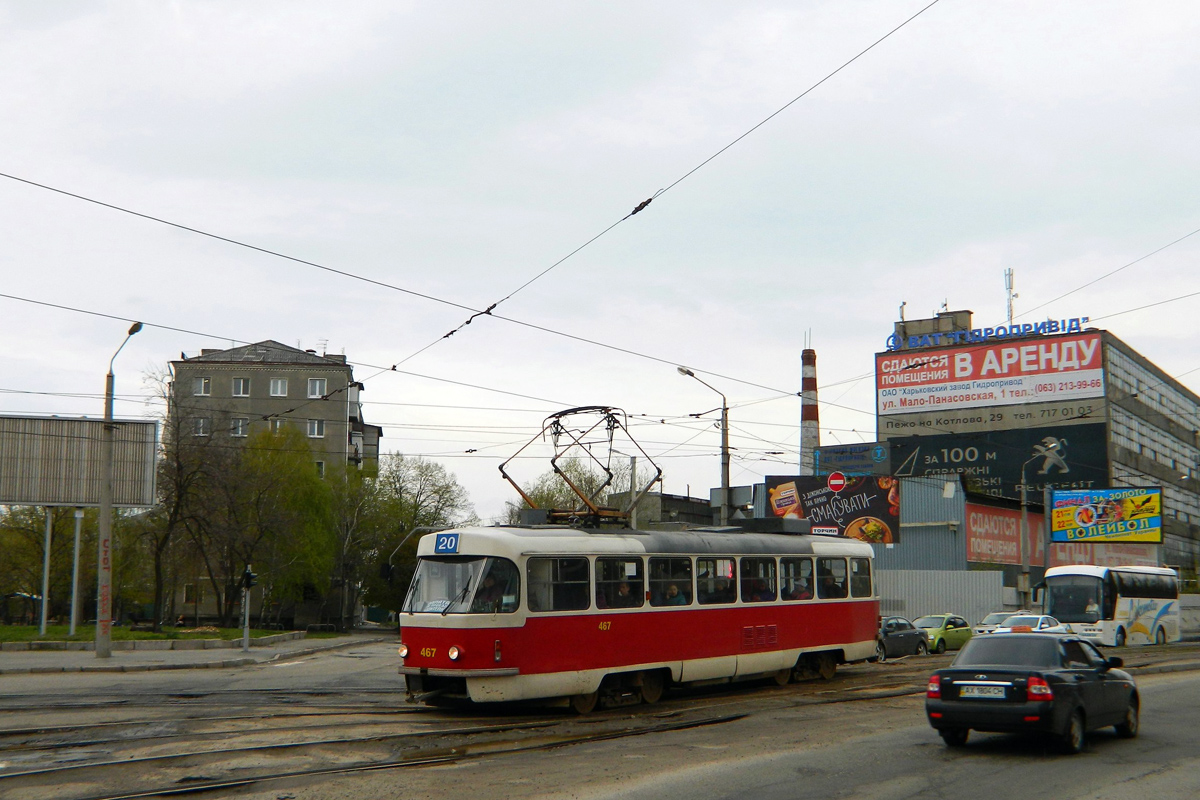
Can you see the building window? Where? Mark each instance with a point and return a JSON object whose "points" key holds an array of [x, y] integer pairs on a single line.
{"points": [[276, 425], [278, 387], [241, 387], [321, 469], [316, 387], [202, 387], [316, 428], [238, 426], [202, 426], [192, 593]]}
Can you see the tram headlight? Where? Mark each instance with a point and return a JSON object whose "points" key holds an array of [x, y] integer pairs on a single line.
{"points": [[454, 653], [404, 651]]}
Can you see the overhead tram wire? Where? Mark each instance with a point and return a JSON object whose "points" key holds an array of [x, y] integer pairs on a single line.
{"points": [[645, 203], [490, 309], [1110, 274]]}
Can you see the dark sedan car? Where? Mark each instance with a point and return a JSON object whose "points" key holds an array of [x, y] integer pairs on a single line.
{"points": [[899, 637], [1032, 683]]}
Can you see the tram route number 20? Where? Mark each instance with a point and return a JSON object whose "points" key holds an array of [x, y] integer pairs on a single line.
{"points": [[445, 543]]}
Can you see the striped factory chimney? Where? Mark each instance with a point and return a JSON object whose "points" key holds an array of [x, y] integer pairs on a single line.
{"points": [[810, 425]]}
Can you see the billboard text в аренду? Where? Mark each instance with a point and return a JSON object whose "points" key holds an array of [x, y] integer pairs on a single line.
{"points": [[1053, 369]]}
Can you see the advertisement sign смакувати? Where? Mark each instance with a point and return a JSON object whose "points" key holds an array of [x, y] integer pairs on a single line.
{"points": [[866, 507]]}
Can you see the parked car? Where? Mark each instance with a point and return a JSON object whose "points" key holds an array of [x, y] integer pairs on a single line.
{"points": [[1032, 683], [993, 620], [899, 637], [945, 631], [1037, 623]]}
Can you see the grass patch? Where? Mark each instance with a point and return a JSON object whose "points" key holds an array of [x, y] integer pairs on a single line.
{"points": [[120, 633]]}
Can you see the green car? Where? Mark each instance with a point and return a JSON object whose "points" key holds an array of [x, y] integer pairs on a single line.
{"points": [[945, 631]]}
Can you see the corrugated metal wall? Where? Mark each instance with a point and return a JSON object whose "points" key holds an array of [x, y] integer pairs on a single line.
{"points": [[912, 593], [932, 535]]}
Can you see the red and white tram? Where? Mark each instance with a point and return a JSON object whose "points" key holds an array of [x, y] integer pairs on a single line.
{"points": [[519, 613]]}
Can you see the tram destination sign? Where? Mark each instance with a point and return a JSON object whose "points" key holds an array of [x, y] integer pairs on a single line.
{"points": [[1055, 369], [1059, 456]]}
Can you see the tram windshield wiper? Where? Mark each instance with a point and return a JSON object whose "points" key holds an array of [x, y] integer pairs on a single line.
{"points": [[460, 597]]}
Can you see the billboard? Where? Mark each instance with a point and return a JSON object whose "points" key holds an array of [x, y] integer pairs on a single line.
{"points": [[871, 458], [993, 536], [1107, 515], [860, 507], [1064, 457], [975, 420], [1055, 369], [56, 461]]}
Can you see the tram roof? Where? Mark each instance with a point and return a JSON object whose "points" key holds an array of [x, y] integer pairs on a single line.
{"points": [[551, 539]]}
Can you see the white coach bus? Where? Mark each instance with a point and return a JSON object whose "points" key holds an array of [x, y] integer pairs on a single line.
{"points": [[1115, 606]]}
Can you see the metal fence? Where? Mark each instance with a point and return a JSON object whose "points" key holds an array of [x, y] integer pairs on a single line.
{"points": [[912, 593]]}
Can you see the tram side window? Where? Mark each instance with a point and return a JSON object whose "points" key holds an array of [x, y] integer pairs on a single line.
{"points": [[670, 581], [796, 578], [619, 583], [758, 580], [558, 584], [831, 578], [716, 582], [860, 577]]}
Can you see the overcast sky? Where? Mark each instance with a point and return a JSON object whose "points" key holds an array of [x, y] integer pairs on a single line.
{"points": [[457, 150]]}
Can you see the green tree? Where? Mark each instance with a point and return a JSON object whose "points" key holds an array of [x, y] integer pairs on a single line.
{"points": [[412, 493]]}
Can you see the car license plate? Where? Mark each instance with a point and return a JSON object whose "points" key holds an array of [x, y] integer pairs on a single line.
{"points": [[991, 692]]}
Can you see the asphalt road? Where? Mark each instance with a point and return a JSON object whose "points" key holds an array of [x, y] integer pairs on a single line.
{"points": [[840, 739]]}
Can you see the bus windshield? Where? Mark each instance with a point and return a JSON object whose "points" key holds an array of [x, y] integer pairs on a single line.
{"points": [[463, 585], [1074, 598]]}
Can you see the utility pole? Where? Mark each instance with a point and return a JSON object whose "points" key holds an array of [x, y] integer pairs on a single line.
{"points": [[724, 444]]}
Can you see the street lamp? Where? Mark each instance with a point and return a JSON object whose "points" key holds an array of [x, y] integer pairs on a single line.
{"points": [[104, 547], [724, 445], [1026, 599]]}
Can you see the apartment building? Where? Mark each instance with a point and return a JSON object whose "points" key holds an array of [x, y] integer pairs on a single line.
{"points": [[234, 393]]}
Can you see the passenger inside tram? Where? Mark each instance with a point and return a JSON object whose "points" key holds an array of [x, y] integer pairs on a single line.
{"points": [[674, 597]]}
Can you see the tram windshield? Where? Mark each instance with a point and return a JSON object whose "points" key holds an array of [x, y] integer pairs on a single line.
{"points": [[463, 585]]}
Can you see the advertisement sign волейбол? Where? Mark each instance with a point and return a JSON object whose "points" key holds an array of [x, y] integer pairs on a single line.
{"points": [[865, 507], [1047, 369], [1107, 515]]}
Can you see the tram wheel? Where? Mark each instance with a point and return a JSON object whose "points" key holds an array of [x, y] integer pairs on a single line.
{"points": [[826, 666], [585, 703], [783, 677], [652, 686]]}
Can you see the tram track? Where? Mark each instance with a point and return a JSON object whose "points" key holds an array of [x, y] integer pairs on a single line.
{"points": [[451, 745]]}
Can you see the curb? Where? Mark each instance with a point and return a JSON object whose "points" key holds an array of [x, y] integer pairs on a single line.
{"points": [[228, 663], [1182, 666]]}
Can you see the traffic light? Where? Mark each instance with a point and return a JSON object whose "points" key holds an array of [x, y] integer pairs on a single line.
{"points": [[249, 578]]}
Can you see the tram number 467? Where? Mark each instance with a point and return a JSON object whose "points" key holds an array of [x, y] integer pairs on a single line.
{"points": [[606, 626]]}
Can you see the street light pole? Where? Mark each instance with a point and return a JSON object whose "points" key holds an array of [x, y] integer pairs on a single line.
{"points": [[104, 546], [724, 444], [1025, 596]]}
